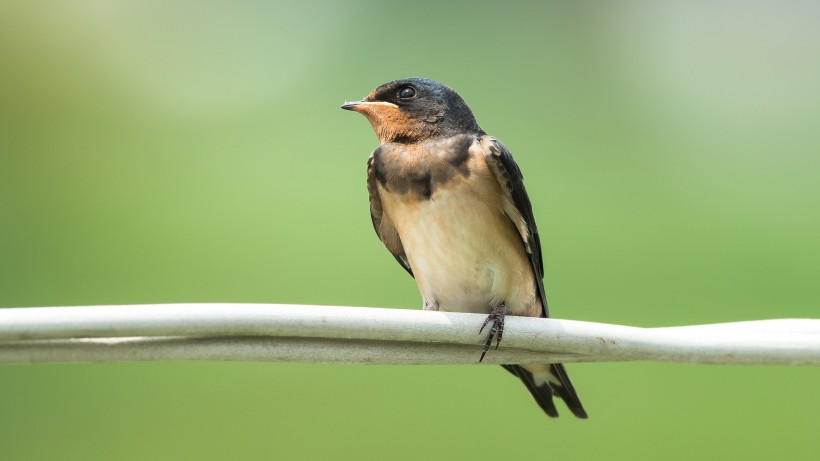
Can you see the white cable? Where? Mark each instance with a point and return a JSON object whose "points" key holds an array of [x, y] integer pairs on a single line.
{"points": [[301, 333]]}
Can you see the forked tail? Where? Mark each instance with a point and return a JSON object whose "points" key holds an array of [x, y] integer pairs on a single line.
{"points": [[544, 380]]}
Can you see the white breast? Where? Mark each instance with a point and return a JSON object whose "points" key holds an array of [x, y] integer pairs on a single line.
{"points": [[465, 253]]}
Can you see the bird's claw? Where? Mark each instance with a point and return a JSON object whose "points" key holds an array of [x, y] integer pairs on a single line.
{"points": [[496, 331]]}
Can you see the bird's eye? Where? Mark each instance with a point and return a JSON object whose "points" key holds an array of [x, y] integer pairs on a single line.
{"points": [[407, 92]]}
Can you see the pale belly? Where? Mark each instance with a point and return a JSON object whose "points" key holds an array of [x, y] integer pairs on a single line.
{"points": [[465, 253]]}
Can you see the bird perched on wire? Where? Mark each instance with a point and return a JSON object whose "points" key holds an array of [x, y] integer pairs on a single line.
{"points": [[449, 203]]}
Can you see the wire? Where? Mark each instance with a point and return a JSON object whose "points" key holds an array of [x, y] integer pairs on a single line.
{"points": [[335, 334]]}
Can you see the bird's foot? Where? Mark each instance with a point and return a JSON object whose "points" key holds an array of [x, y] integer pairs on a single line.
{"points": [[496, 331]]}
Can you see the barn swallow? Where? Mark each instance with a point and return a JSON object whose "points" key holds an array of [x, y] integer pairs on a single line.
{"points": [[448, 201]]}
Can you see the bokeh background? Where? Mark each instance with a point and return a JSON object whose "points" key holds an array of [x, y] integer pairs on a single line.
{"points": [[194, 151]]}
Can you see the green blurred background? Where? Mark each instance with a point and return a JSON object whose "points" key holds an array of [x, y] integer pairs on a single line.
{"points": [[184, 151]]}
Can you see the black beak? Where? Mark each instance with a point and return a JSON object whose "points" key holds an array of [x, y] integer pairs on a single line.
{"points": [[351, 105]]}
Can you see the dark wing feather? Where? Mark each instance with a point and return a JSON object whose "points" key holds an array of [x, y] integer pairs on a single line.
{"points": [[509, 176], [384, 229]]}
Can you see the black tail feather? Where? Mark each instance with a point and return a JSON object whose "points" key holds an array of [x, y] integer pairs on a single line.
{"points": [[567, 391], [542, 395], [544, 392]]}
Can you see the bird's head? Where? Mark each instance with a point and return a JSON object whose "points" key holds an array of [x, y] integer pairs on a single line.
{"points": [[415, 109]]}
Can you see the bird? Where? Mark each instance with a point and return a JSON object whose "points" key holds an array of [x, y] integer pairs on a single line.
{"points": [[448, 201]]}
